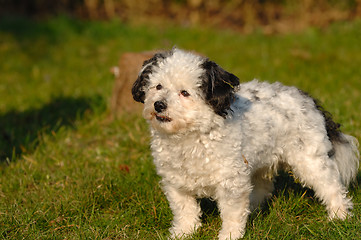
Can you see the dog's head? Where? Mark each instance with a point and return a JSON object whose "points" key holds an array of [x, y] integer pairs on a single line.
{"points": [[182, 91]]}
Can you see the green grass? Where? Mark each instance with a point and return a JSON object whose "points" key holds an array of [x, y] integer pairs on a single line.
{"points": [[68, 173]]}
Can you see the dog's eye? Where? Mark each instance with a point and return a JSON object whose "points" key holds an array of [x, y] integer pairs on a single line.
{"points": [[159, 87], [185, 93]]}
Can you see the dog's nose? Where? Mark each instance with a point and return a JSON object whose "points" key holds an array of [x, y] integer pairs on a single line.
{"points": [[160, 106]]}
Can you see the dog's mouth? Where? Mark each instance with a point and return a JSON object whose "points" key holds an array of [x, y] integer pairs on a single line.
{"points": [[161, 118]]}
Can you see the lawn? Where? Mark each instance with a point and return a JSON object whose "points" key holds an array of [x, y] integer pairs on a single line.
{"points": [[67, 172]]}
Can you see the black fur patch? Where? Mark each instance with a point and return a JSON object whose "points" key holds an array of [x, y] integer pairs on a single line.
{"points": [[218, 86], [332, 128], [143, 78]]}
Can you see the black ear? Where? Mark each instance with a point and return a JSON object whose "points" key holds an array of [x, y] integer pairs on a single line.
{"points": [[218, 86], [138, 89]]}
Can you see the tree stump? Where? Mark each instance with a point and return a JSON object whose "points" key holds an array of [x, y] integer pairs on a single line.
{"points": [[125, 74]]}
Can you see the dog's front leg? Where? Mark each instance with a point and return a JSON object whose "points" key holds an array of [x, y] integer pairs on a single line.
{"points": [[234, 211], [186, 211]]}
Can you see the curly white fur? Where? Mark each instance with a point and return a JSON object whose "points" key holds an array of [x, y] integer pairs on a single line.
{"points": [[231, 155]]}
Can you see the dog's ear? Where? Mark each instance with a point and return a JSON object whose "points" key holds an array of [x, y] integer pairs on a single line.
{"points": [[218, 86], [139, 86]]}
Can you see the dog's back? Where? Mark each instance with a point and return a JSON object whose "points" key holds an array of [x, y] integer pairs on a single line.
{"points": [[290, 117]]}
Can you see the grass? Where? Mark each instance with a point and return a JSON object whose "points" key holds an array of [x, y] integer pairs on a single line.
{"points": [[67, 173]]}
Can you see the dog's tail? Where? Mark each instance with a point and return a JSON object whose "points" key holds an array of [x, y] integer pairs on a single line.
{"points": [[345, 148], [347, 157]]}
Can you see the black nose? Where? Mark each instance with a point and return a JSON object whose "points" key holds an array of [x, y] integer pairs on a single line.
{"points": [[160, 106]]}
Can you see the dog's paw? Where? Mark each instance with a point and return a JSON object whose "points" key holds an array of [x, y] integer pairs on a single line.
{"points": [[230, 235], [183, 231], [340, 211], [339, 214]]}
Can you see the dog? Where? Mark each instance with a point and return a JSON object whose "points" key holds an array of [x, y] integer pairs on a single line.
{"points": [[214, 137]]}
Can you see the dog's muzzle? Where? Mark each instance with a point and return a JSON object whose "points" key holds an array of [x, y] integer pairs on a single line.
{"points": [[160, 106]]}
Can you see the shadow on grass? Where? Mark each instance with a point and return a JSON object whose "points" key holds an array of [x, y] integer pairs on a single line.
{"points": [[20, 131], [209, 208], [284, 184]]}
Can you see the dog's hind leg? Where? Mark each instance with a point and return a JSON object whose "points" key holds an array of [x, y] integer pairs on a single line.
{"points": [[320, 173]]}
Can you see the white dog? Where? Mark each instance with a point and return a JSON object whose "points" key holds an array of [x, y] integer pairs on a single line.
{"points": [[214, 137]]}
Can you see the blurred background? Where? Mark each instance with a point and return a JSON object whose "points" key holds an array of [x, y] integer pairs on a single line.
{"points": [[243, 15]]}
